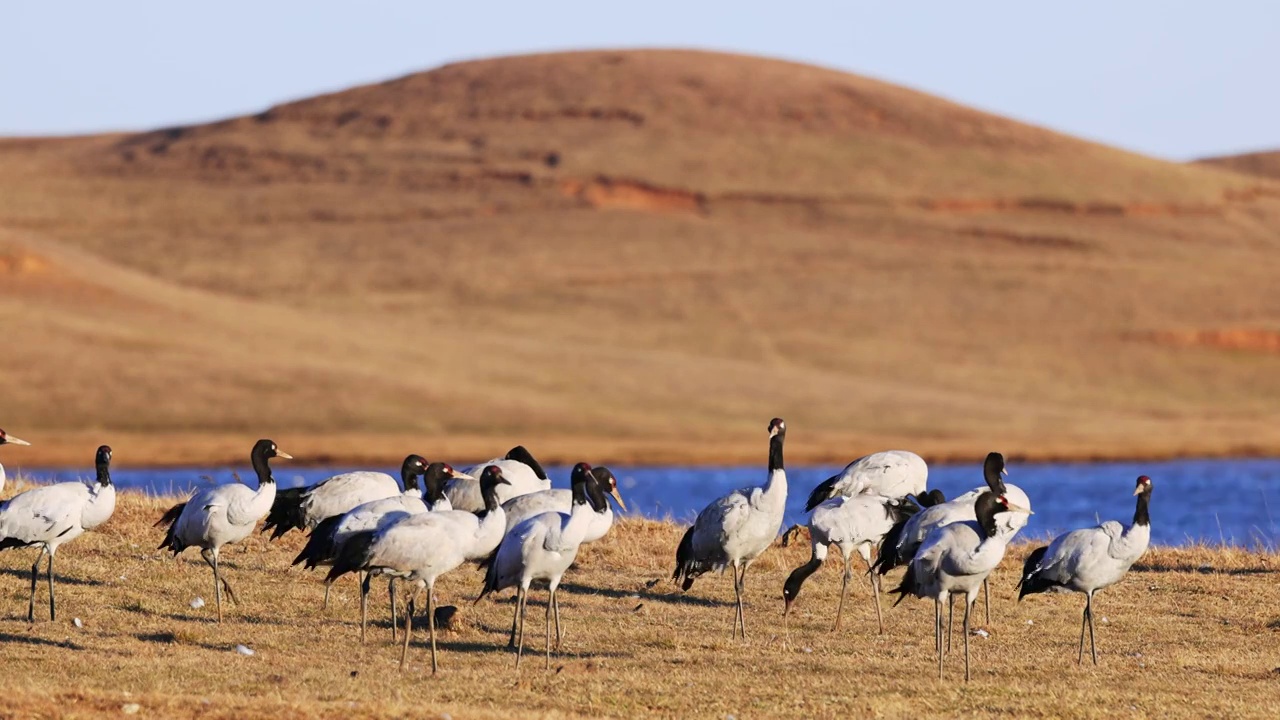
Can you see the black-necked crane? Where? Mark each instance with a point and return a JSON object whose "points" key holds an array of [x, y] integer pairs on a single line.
{"points": [[736, 529], [53, 515], [955, 559], [523, 474], [542, 548], [7, 439], [420, 548], [891, 473], [1090, 559], [222, 514], [854, 525], [902, 542]]}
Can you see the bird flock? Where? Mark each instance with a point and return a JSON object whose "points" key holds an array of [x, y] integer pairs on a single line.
{"points": [[504, 517]]}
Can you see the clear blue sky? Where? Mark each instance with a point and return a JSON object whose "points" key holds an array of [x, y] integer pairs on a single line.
{"points": [[1171, 79]]}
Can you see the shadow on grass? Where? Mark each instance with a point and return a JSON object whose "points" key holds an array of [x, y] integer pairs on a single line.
{"points": [[25, 574], [673, 597], [6, 638], [1190, 569]]}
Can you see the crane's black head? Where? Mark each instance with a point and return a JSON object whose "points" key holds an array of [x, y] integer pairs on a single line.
{"points": [[1143, 486], [777, 427], [102, 461], [985, 509], [607, 484], [933, 497], [993, 471], [264, 450], [411, 469], [435, 478], [580, 480], [7, 439], [490, 479]]}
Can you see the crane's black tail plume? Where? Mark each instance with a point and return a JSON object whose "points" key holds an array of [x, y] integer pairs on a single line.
{"points": [[490, 577], [286, 512], [1032, 581], [353, 556], [688, 568], [906, 587], [888, 557], [322, 546], [521, 454], [822, 493], [170, 519]]}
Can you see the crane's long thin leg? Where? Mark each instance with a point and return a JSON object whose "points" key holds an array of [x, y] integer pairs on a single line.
{"points": [[547, 630], [1093, 649], [986, 598], [844, 591], [212, 559], [742, 613], [431, 620], [951, 613], [1084, 618], [515, 622], [364, 604], [35, 578], [875, 587], [555, 608], [53, 607], [937, 631], [327, 585], [391, 590], [737, 601], [408, 628], [968, 605], [521, 604]]}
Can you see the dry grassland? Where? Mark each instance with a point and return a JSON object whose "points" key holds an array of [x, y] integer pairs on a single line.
{"points": [[1190, 633]]}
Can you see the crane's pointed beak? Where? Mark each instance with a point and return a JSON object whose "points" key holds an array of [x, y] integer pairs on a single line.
{"points": [[1004, 472], [283, 455], [1136, 491], [618, 497], [15, 441], [1018, 508]]}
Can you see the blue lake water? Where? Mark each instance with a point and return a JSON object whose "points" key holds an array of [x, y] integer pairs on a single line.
{"points": [[1216, 501]]}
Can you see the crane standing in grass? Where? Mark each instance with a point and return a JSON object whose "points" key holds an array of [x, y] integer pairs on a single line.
{"points": [[53, 515], [222, 514], [955, 559], [737, 528], [1090, 559]]}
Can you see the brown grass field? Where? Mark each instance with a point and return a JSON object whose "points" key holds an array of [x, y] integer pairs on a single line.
{"points": [[1189, 633], [633, 256]]}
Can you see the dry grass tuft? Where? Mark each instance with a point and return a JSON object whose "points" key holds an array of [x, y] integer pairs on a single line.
{"points": [[1187, 634]]}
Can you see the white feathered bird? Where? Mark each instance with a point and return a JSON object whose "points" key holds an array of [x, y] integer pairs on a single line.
{"points": [[560, 500], [422, 547], [891, 473], [955, 559], [222, 514], [54, 515], [1088, 560], [523, 474], [737, 528], [7, 439], [854, 525], [542, 548]]}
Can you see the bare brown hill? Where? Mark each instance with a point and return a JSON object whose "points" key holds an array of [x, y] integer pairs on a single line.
{"points": [[1261, 164], [636, 255]]}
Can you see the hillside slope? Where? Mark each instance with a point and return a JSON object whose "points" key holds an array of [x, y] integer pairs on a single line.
{"points": [[641, 254], [1261, 164]]}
